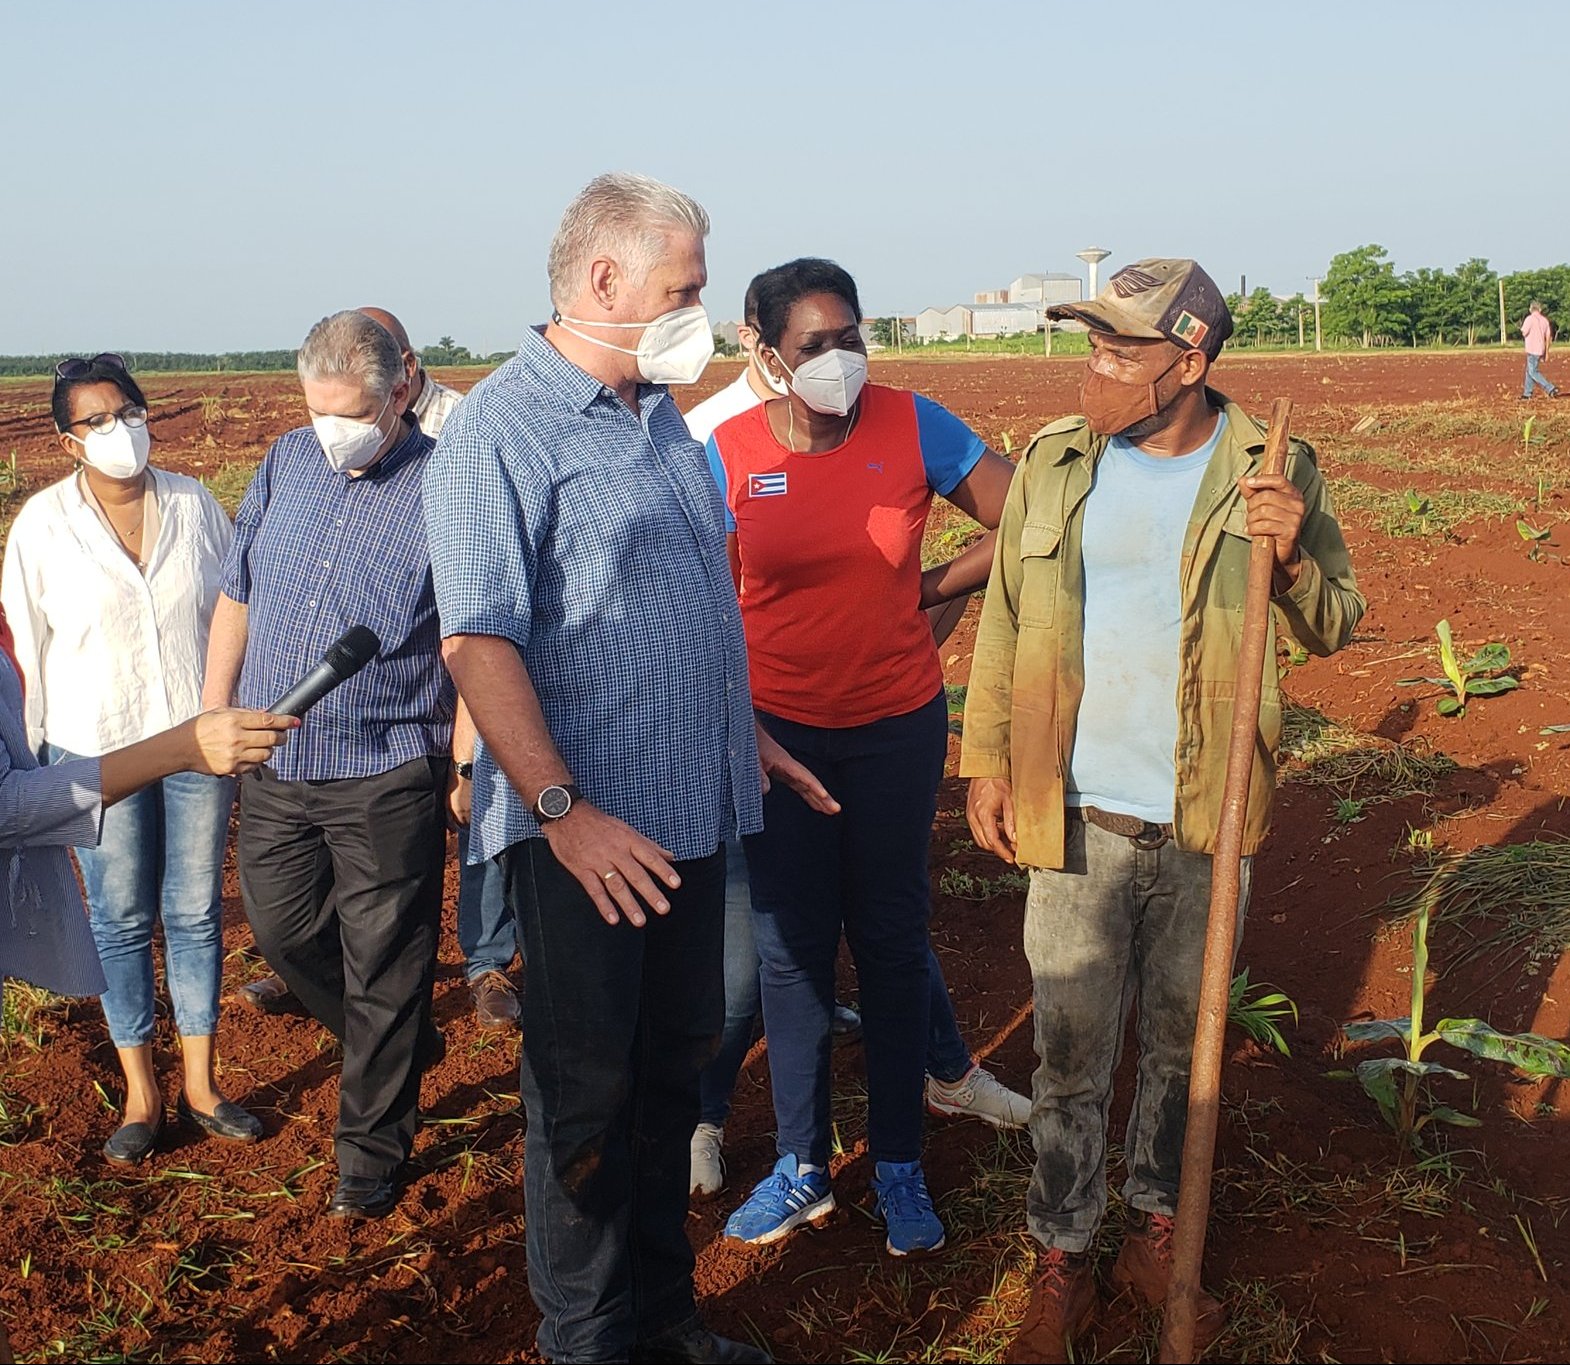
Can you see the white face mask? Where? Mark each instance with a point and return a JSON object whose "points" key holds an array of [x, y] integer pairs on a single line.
{"points": [[830, 383], [349, 444], [120, 453], [674, 348]]}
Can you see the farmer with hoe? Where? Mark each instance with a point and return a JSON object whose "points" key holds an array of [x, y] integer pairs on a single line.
{"points": [[1097, 754]]}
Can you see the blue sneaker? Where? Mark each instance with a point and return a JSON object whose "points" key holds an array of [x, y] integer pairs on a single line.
{"points": [[780, 1204], [906, 1208]]}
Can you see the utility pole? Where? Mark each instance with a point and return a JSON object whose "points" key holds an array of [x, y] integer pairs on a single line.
{"points": [[1300, 326], [1503, 339], [1319, 342]]}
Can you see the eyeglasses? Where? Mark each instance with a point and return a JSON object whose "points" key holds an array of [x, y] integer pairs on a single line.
{"points": [[76, 367], [132, 414]]}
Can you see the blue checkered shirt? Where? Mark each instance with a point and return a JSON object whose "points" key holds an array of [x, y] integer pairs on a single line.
{"points": [[591, 537], [316, 552]]}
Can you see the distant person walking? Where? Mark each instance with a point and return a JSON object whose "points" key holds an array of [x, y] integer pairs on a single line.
{"points": [[343, 836], [1539, 334], [111, 577], [592, 627]]}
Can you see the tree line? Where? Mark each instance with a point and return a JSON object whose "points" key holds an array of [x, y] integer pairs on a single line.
{"points": [[444, 352], [1364, 302]]}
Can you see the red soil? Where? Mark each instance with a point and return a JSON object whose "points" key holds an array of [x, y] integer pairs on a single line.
{"points": [[215, 1254]]}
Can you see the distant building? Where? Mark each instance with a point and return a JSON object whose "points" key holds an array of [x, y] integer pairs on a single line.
{"points": [[1046, 290], [726, 331], [1004, 319], [993, 296], [938, 324]]}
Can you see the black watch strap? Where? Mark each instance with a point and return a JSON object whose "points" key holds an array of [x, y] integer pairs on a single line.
{"points": [[464, 769]]}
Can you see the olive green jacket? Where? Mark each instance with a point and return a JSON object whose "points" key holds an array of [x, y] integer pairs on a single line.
{"points": [[1027, 677]]}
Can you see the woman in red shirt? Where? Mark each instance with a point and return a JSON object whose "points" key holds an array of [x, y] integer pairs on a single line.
{"points": [[827, 491]]}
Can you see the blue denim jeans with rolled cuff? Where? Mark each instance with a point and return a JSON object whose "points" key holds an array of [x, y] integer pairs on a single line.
{"points": [[487, 936], [160, 859]]}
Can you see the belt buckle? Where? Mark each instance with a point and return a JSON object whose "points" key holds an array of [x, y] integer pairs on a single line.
{"points": [[1150, 837]]}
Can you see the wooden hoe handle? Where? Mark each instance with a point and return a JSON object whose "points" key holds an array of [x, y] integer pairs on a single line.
{"points": [[1204, 1093]]}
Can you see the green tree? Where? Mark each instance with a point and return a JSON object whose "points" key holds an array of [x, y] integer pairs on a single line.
{"points": [[1363, 298], [883, 331], [1433, 305], [1549, 286], [1477, 298]]}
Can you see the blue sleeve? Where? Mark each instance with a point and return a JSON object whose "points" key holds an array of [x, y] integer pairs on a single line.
{"points": [[485, 526], [717, 468], [247, 520], [949, 448]]}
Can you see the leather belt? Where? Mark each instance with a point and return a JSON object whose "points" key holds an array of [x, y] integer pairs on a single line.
{"points": [[1143, 834]]}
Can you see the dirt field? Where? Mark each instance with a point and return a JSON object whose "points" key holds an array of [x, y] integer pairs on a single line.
{"points": [[1333, 1243]]}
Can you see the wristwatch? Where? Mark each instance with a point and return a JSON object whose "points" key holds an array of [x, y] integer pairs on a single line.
{"points": [[465, 770], [555, 801]]}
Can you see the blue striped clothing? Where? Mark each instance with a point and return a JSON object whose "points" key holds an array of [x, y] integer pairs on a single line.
{"points": [[316, 552], [44, 933], [591, 537]]}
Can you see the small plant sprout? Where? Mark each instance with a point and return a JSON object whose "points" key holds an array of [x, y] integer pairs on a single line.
{"points": [[1348, 811], [1399, 1085], [1258, 1016], [1528, 440], [1479, 676], [1419, 508], [1534, 539], [1008, 442]]}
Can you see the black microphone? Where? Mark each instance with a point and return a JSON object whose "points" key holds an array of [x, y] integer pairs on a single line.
{"points": [[345, 657]]}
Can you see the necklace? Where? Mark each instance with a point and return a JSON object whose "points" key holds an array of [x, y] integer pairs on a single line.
{"points": [[790, 426]]}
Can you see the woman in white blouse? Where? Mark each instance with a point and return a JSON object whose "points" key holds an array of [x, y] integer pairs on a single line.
{"points": [[109, 584]]}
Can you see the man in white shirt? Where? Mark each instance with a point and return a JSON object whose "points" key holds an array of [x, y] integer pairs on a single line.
{"points": [[752, 386]]}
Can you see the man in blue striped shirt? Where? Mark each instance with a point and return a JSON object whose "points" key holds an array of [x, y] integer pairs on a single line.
{"points": [[592, 628], [343, 834]]}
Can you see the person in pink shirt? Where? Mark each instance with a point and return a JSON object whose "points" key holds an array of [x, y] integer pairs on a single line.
{"points": [[1538, 331]]}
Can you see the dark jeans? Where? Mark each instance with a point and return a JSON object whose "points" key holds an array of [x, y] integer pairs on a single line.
{"points": [[618, 1023], [948, 1058], [862, 873], [343, 887], [1118, 923]]}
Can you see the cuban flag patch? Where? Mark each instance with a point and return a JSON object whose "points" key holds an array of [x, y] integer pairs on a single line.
{"points": [[766, 485]]}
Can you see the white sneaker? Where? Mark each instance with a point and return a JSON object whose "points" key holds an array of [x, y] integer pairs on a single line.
{"points": [[708, 1161], [978, 1094]]}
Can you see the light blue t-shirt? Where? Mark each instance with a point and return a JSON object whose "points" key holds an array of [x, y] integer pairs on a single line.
{"points": [[1136, 516]]}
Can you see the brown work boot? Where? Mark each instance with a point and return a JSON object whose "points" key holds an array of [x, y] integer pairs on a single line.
{"points": [[1062, 1303], [1144, 1265], [270, 995], [495, 1001]]}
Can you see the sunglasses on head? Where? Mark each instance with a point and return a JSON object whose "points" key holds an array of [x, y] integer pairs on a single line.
{"points": [[76, 367]]}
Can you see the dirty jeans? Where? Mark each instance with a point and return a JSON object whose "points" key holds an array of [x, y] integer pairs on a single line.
{"points": [[1116, 925], [617, 1024]]}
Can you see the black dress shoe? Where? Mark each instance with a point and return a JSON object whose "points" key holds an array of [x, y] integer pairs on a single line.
{"points": [[228, 1121], [693, 1343], [132, 1143], [362, 1197]]}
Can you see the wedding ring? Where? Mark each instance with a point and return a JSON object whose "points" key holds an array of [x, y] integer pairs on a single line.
{"points": [[606, 876]]}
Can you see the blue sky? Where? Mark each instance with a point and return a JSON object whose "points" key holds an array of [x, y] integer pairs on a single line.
{"points": [[216, 176]]}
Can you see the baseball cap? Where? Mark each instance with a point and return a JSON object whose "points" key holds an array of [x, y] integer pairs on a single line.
{"points": [[1162, 297]]}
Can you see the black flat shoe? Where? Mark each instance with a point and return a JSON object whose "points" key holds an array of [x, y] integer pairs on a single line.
{"points": [[228, 1121], [362, 1197], [693, 1344], [132, 1143]]}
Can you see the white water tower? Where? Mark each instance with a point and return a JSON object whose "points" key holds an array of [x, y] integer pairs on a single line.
{"points": [[1092, 257]]}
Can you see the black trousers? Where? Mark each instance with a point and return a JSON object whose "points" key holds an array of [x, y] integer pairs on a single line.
{"points": [[342, 884], [618, 1024]]}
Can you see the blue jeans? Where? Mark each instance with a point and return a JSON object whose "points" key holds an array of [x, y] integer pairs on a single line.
{"points": [[861, 873], [1534, 375], [160, 856], [948, 1058], [486, 935]]}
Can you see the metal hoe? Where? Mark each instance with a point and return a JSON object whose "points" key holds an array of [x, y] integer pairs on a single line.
{"points": [[1204, 1093]]}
